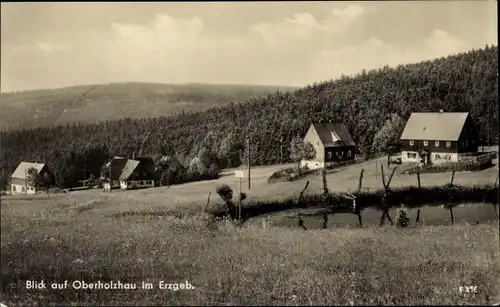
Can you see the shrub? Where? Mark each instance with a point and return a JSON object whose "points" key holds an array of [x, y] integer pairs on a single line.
{"points": [[402, 219], [225, 192]]}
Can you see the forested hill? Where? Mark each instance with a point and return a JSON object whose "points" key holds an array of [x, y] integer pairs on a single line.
{"points": [[100, 102], [463, 82]]}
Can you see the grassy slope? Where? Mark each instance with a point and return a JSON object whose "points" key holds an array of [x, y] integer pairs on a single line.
{"points": [[93, 103], [193, 196], [253, 266]]}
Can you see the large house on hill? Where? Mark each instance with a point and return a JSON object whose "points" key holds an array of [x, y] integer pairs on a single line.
{"points": [[332, 143], [438, 137], [19, 182], [131, 173]]}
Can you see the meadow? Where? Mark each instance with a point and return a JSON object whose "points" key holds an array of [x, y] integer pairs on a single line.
{"points": [[251, 265], [135, 236]]}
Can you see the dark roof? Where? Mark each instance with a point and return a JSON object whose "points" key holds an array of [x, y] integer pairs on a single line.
{"points": [[430, 126], [333, 134], [117, 165], [123, 168]]}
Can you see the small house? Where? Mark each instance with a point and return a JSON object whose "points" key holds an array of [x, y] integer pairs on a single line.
{"points": [[438, 137], [19, 180], [131, 174], [332, 143]]}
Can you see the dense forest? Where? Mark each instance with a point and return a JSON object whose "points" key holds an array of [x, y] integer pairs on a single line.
{"points": [[100, 102], [462, 82]]}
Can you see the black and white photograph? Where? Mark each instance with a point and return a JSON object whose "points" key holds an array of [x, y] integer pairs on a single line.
{"points": [[293, 153]]}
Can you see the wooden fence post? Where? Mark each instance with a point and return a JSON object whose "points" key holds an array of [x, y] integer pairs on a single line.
{"points": [[208, 201], [418, 179], [418, 216], [301, 195], [451, 214], [357, 210], [360, 181], [325, 221], [385, 198], [452, 177], [301, 223]]}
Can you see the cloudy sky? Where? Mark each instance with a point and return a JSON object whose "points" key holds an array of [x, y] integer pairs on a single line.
{"points": [[46, 45]]}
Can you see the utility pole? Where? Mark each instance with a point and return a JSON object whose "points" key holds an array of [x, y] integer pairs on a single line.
{"points": [[110, 178], [25, 181], [248, 159]]}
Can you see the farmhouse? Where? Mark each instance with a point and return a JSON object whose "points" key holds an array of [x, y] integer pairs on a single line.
{"points": [[19, 180], [332, 143], [438, 137], [131, 174]]}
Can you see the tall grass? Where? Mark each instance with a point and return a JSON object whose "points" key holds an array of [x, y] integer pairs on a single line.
{"points": [[250, 265]]}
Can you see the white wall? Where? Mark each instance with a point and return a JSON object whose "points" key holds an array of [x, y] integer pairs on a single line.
{"points": [[135, 184], [440, 158], [406, 159], [312, 164], [19, 189], [116, 184], [435, 157]]}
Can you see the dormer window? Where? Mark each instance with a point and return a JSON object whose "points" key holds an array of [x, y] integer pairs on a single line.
{"points": [[436, 143], [448, 144], [412, 143], [426, 143]]}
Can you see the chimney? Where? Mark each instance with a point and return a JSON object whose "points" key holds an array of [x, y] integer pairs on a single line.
{"points": [[440, 110]]}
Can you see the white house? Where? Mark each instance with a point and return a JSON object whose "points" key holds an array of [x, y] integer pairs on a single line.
{"points": [[19, 183]]}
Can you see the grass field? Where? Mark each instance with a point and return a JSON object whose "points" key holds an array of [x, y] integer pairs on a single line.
{"points": [[228, 265], [93, 235]]}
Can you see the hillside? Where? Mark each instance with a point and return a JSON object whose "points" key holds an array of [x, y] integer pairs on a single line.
{"points": [[463, 82], [97, 103]]}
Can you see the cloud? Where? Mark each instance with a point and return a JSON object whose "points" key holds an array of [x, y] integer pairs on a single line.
{"points": [[297, 50], [374, 53], [305, 26]]}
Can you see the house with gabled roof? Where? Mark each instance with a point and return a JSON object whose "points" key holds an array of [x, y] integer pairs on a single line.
{"points": [[332, 142], [438, 137], [19, 180], [131, 173]]}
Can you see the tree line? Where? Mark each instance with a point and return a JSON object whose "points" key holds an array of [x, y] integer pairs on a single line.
{"points": [[206, 141]]}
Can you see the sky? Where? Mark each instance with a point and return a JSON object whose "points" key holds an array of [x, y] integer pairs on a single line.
{"points": [[50, 45]]}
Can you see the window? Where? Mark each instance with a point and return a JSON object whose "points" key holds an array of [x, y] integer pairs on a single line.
{"points": [[348, 153], [436, 143], [330, 154], [341, 153], [14, 188], [22, 189], [448, 144], [411, 155], [466, 143], [426, 143], [128, 183], [412, 143]]}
